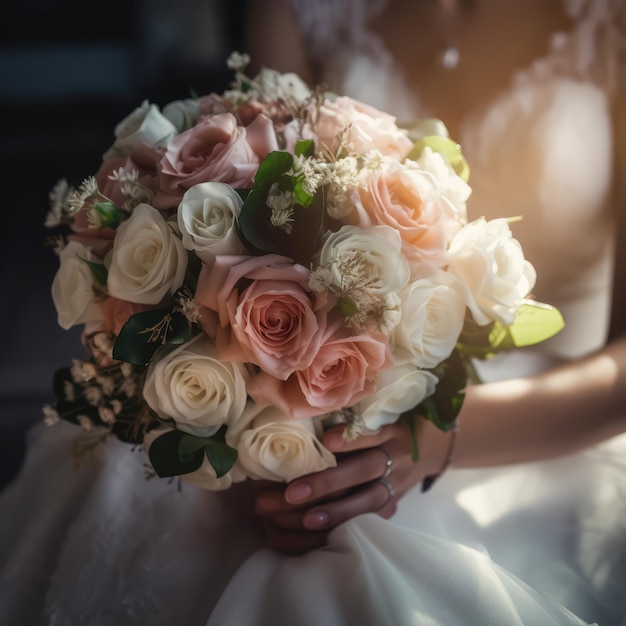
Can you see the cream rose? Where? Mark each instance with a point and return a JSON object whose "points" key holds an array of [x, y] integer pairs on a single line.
{"points": [[144, 127], [449, 184], [431, 320], [372, 255], [148, 260], [207, 216], [400, 388], [73, 287], [490, 264], [277, 448], [194, 388]]}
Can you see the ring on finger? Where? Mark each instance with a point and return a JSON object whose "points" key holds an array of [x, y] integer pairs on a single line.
{"points": [[388, 462], [388, 486]]}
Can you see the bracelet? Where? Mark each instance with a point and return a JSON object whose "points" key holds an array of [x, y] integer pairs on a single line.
{"points": [[429, 480]]}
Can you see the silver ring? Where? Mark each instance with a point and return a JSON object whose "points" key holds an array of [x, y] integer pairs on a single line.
{"points": [[389, 487], [388, 462]]}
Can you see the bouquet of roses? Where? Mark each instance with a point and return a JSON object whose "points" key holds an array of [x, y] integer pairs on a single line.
{"points": [[252, 266]]}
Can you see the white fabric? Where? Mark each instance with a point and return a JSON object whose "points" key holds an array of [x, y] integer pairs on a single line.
{"points": [[101, 545]]}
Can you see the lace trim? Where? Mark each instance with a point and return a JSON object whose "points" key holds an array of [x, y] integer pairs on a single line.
{"points": [[592, 51]]}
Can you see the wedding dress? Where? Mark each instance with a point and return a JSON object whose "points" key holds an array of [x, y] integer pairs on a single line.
{"points": [[102, 545]]}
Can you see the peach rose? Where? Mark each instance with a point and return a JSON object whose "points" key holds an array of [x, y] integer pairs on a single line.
{"points": [[216, 149], [272, 320], [406, 199], [343, 372], [369, 128], [117, 312]]}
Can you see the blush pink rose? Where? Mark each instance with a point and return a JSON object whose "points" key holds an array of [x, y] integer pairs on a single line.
{"points": [[267, 314], [406, 199], [343, 372], [369, 128], [148, 180], [216, 149]]}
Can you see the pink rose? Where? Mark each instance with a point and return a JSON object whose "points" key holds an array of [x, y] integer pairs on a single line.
{"points": [[216, 149], [343, 372], [406, 199], [148, 190], [267, 314], [369, 128]]}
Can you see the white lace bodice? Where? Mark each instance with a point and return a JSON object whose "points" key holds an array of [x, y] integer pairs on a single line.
{"points": [[542, 149]]}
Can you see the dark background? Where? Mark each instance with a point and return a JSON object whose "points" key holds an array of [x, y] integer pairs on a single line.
{"points": [[69, 72]]}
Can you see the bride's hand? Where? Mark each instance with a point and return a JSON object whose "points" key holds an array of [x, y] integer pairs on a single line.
{"points": [[372, 473]]}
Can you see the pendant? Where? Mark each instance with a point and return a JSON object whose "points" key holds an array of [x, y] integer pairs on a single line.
{"points": [[450, 57]]}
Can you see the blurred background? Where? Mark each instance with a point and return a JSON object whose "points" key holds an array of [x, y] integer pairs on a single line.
{"points": [[69, 72]]}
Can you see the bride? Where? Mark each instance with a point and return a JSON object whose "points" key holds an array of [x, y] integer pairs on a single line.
{"points": [[506, 545]]}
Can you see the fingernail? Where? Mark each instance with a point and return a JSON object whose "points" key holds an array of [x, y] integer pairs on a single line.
{"points": [[334, 441], [298, 493], [316, 519]]}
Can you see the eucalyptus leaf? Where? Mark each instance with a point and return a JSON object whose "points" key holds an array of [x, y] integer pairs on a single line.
{"points": [[165, 458], [448, 148], [221, 456], [144, 333]]}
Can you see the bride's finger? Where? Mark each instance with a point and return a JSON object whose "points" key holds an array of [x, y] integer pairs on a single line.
{"points": [[378, 497], [350, 472]]}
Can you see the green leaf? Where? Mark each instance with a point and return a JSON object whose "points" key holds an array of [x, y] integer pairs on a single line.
{"points": [[165, 458], [305, 147], [254, 224], [448, 148], [347, 306], [221, 456], [110, 215], [443, 407], [535, 322], [98, 270], [144, 333]]}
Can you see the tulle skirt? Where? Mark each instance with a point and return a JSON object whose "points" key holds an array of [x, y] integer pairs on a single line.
{"points": [[102, 545]]}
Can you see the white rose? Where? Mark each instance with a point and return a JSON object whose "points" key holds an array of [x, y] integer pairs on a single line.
{"points": [[400, 388], [148, 260], [207, 215], [276, 86], [491, 265], [278, 448], [205, 476], [372, 256], [73, 287], [183, 114], [431, 320], [144, 126], [194, 388], [448, 183]]}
